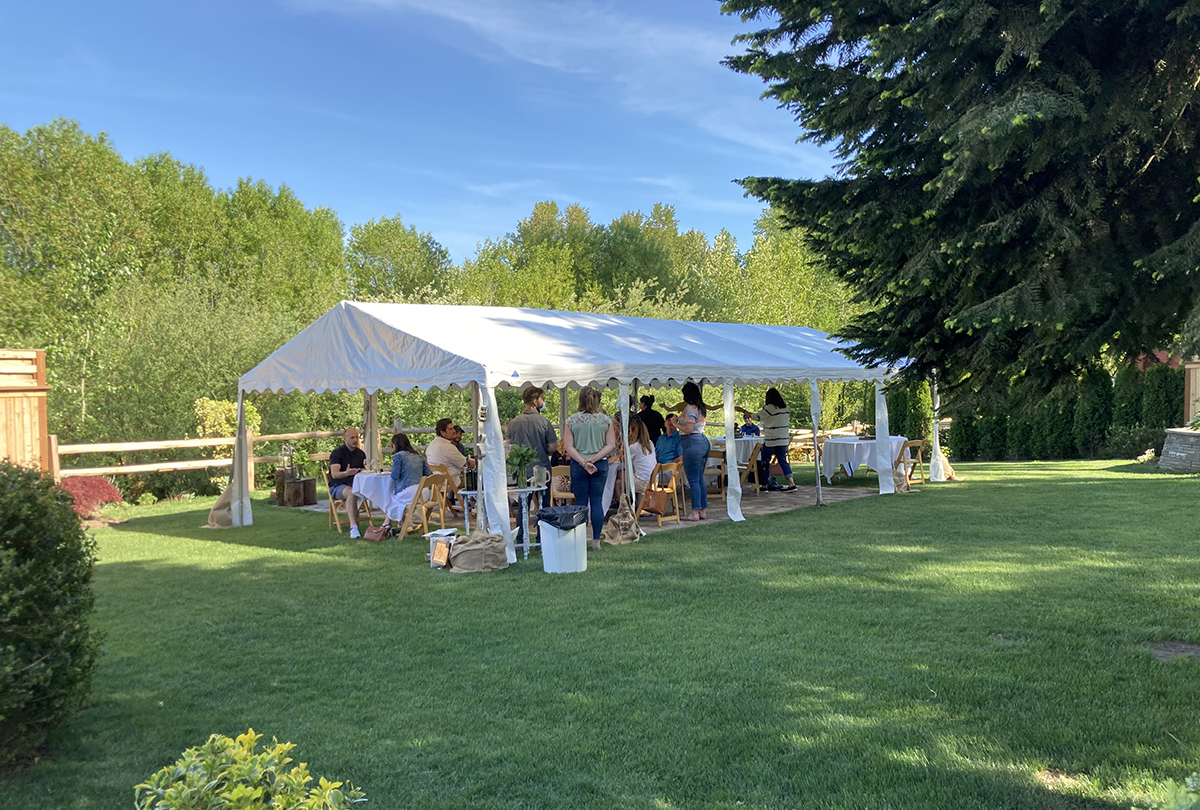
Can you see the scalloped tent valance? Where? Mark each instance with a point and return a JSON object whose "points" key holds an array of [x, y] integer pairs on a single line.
{"points": [[399, 347]]}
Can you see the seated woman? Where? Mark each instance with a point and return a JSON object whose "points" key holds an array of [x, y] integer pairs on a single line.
{"points": [[641, 455], [408, 466]]}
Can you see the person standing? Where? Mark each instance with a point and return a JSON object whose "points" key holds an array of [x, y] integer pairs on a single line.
{"points": [[775, 418], [695, 449], [589, 438], [531, 429], [345, 462], [652, 419]]}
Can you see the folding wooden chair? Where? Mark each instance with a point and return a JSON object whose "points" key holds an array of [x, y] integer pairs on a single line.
{"points": [[910, 464], [557, 495], [673, 472], [716, 471], [430, 497], [451, 487], [340, 503], [751, 469]]}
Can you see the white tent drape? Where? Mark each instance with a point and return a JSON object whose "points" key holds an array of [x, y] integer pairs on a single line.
{"points": [[241, 513], [371, 429], [493, 476], [814, 411], [733, 489], [937, 462], [623, 440], [883, 443]]}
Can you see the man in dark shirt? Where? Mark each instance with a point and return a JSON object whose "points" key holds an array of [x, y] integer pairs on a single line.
{"points": [[345, 462]]}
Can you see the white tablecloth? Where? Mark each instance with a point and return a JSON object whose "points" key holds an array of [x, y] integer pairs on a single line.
{"points": [[375, 487], [743, 445], [849, 453]]}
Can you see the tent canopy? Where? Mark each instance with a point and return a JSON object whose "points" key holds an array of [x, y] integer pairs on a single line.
{"points": [[387, 347]]}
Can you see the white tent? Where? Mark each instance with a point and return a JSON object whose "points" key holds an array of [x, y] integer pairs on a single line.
{"points": [[399, 347]]}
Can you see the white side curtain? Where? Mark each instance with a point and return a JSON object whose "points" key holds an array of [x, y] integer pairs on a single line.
{"points": [[733, 488], [492, 477], [883, 443], [371, 429], [814, 411], [240, 505], [937, 462], [623, 440]]}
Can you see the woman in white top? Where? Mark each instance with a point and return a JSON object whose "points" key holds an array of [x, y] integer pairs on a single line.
{"points": [[775, 419], [695, 449]]}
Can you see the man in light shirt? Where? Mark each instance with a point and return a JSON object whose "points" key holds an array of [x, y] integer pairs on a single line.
{"points": [[442, 450]]}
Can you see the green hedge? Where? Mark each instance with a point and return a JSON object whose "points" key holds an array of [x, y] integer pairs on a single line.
{"points": [[47, 648]]}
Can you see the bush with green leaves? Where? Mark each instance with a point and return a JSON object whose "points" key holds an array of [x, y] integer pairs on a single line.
{"points": [[231, 773], [1162, 397], [47, 646], [1179, 797], [1131, 441]]}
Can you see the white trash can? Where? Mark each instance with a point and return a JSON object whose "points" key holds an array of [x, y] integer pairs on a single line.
{"points": [[564, 551]]}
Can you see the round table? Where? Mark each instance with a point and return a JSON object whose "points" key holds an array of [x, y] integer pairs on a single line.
{"points": [[743, 445], [375, 487], [848, 453]]}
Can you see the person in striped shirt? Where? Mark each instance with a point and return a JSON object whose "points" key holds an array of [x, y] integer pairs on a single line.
{"points": [[774, 419]]}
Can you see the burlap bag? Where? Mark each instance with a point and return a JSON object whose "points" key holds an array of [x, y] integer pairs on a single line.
{"points": [[221, 514], [478, 552], [621, 527]]}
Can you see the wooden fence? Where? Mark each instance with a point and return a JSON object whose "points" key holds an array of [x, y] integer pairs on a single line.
{"points": [[24, 437], [58, 451]]}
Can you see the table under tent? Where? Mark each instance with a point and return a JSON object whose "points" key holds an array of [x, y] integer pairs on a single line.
{"points": [[400, 347]]}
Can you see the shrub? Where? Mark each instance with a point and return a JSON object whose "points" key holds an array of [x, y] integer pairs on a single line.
{"points": [[89, 493], [230, 773], [1093, 411], [217, 418], [47, 648], [1127, 396], [1133, 440], [1180, 797], [1162, 397]]}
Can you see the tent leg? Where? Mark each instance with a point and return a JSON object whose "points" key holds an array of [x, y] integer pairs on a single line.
{"points": [[937, 462], [240, 511], [814, 410], [733, 481], [493, 479], [622, 396]]}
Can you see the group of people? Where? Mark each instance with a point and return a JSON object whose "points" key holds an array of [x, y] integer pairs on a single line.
{"points": [[588, 444]]}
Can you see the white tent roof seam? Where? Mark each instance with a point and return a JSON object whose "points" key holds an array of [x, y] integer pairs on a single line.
{"points": [[401, 347]]}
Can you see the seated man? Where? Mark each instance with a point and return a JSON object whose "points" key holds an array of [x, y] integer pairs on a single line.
{"points": [[749, 428], [345, 462], [669, 446], [458, 437], [442, 450]]}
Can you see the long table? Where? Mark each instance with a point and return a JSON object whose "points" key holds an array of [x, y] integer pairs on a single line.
{"points": [[849, 453]]}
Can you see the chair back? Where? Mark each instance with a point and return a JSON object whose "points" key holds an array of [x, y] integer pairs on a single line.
{"points": [[913, 463], [674, 467]]}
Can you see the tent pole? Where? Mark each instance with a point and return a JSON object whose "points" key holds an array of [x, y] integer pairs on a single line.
{"points": [[814, 411], [883, 442], [371, 427], [733, 482], [562, 409], [493, 479]]}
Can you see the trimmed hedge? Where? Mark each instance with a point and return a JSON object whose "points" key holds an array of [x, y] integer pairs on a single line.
{"points": [[47, 648]]}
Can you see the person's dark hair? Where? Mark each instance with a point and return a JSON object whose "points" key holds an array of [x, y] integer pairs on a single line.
{"points": [[401, 444], [442, 424], [530, 394], [691, 395], [648, 401], [775, 398], [589, 400]]}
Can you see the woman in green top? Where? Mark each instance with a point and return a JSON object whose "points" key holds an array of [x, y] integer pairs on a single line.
{"points": [[589, 438]]}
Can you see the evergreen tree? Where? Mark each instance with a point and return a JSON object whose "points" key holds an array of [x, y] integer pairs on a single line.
{"points": [[1016, 183]]}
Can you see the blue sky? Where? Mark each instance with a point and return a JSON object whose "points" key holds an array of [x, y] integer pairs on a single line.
{"points": [[458, 115]]}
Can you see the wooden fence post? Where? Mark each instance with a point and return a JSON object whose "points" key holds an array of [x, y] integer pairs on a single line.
{"points": [[55, 469]]}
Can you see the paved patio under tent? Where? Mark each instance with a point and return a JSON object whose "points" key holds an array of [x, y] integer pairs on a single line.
{"points": [[767, 503]]}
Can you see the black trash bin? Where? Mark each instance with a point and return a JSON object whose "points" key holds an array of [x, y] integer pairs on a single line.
{"points": [[563, 517]]}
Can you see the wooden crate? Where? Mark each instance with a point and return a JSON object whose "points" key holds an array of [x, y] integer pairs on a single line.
{"points": [[24, 435]]}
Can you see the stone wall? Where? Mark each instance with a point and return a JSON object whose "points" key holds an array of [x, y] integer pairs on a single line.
{"points": [[1181, 451]]}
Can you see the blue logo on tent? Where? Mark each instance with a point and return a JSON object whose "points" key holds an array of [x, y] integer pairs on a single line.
{"points": [[516, 374]]}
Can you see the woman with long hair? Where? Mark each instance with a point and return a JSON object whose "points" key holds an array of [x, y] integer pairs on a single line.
{"points": [[588, 438], [774, 418], [408, 466], [652, 419], [695, 449]]}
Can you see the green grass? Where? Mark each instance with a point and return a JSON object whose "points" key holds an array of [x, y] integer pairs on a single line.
{"points": [[939, 649]]}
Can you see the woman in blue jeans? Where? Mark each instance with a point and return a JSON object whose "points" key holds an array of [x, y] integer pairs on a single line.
{"points": [[589, 438], [695, 449]]}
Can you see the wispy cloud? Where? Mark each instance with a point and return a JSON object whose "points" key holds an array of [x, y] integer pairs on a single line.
{"points": [[648, 66]]}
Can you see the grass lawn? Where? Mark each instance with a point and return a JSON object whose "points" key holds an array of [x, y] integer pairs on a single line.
{"points": [[975, 645]]}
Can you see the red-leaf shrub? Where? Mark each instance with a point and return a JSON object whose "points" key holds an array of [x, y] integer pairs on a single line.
{"points": [[90, 493]]}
